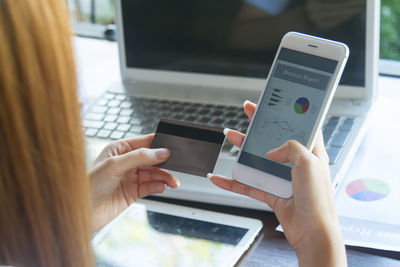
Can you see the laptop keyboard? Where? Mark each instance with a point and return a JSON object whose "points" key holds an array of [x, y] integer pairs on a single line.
{"points": [[116, 116], [336, 131]]}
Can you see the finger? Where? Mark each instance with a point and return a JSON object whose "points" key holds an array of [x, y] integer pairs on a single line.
{"points": [[249, 108], [152, 169], [133, 172], [145, 176], [126, 145], [235, 137], [319, 148], [140, 141], [236, 187], [290, 151], [146, 189], [139, 158]]}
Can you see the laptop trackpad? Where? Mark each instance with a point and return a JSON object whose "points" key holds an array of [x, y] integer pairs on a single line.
{"points": [[194, 148]]}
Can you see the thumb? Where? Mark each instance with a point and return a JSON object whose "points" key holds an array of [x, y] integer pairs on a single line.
{"points": [[142, 157], [289, 151]]}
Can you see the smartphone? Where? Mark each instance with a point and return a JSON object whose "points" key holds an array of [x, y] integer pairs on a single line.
{"points": [[300, 87]]}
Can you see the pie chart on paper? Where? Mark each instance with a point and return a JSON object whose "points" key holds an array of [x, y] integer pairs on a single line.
{"points": [[301, 106], [367, 190]]}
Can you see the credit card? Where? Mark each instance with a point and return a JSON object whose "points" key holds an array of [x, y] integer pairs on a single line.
{"points": [[194, 148]]}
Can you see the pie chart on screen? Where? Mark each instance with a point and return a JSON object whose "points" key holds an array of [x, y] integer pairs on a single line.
{"points": [[301, 106], [367, 190]]}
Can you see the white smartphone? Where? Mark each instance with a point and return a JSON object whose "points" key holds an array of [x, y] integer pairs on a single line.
{"points": [[300, 87]]}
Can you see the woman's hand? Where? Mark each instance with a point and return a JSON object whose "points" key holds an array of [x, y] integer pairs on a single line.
{"points": [[122, 173], [308, 218]]}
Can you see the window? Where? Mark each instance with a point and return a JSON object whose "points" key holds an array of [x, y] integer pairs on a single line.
{"points": [[390, 37], [91, 18]]}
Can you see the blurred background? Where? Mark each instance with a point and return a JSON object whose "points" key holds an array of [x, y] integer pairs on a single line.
{"points": [[93, 11], [95, 18], [390, 29]]}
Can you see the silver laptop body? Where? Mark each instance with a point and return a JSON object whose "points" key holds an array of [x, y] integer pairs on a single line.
{"points": [[168, 90]]}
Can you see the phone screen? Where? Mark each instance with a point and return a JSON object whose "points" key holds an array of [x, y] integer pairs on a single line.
{"points": [[289, 108]]}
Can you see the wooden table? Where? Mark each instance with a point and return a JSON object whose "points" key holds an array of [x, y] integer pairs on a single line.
{"points": [[98, 67]]}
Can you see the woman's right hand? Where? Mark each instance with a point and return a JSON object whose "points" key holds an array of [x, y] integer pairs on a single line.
{"points": [[308, 218]]}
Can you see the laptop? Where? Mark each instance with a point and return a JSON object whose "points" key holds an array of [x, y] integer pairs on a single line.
{"points": [[198, 61]]}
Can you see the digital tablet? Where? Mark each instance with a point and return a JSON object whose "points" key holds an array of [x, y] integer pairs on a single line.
{"points": [[151, 233]]}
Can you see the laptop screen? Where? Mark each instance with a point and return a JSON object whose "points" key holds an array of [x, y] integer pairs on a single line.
{"points": [[236, 37]]}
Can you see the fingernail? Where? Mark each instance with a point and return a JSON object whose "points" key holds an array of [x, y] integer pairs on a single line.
{"points": [[209, 175], [272, 151], [162, 153], [245, 102], [178, 183], [226, 130]]}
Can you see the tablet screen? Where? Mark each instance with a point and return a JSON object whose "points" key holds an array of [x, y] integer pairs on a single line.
{"points": [[147, 238]]}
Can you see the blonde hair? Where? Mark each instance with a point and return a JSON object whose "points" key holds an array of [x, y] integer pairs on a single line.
{"points": [[44, 189]]}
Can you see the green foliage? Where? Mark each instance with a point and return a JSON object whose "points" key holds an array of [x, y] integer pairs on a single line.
{"points": [[390, 29], [104, 11]]}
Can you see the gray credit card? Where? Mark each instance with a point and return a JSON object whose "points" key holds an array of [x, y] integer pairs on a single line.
{"points": [[194, 148]]}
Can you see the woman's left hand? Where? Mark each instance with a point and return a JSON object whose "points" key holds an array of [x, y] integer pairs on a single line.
{"points": [[122, 173]]}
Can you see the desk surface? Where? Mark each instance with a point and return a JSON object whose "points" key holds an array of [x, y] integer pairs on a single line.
{"points": [[98, 67], [272, 248]]}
